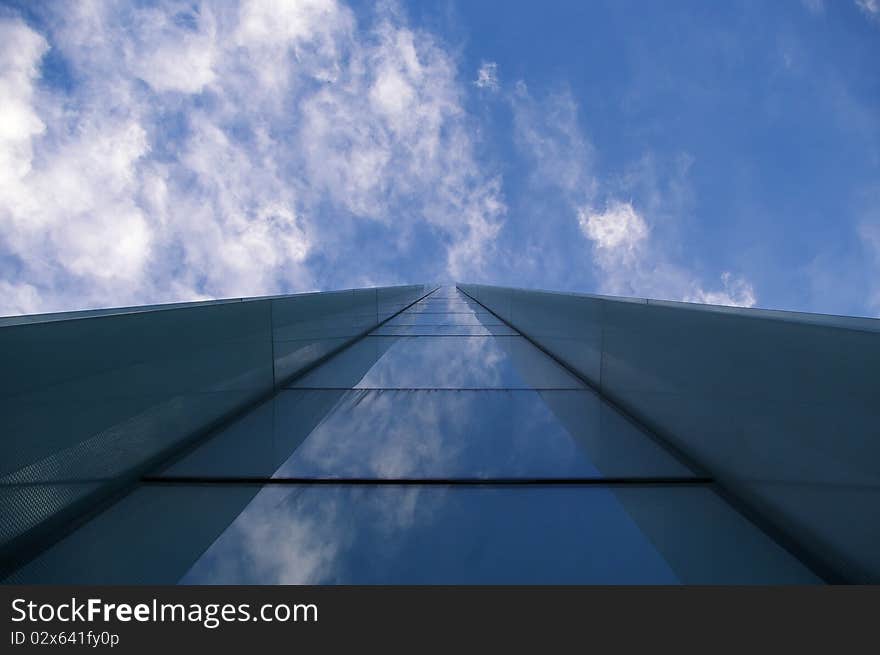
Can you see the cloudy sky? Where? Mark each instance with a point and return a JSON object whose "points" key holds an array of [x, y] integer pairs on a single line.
{"points": [[721, 152]]}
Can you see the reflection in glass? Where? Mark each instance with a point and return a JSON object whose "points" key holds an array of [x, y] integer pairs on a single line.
{"points": [[447, 363], [615, 445], [445, 330], [426, 318], [482, 434], [425, 535], [486, 535], [258, 443], [151, 536], [446, 306], [420, 403]]}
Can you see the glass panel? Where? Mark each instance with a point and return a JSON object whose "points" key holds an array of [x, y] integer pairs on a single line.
{"points": [[258, 443], [450, 301], [356, 533], [784, 411], [447, 363], [393, 299], [360, 534], [445, 330], [447, 292], [706, 541], [416, 318], [347, 368], [430, 434], [151, 536], [446, 306], [492, 535], [482, 434], [614, 444], [92, 396]]}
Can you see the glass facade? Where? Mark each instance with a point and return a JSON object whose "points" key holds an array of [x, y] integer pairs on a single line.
{"points": [[92, 400], [442, 447], [781, 407]]}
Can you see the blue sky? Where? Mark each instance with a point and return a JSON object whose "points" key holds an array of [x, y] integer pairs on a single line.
{"points": [[721, 152]]}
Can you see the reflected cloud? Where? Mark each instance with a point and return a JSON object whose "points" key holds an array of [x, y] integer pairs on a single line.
{"points": [[443, 363], [439, 434], [430, 535]]}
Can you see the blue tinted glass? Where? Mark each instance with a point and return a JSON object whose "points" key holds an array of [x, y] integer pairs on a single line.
{"points": [[258, 443], [151, 536], [706, 541], [446, 363], [615, 445], [401, 534], [347, 368], [447, 306], [450, 392], [446, 292], [490, 535], [445, 330], [430, 434], [94, 396], [483, 434], [425, 318]]}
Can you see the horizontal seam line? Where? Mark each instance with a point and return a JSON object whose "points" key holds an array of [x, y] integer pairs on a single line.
{"points": [[437, 389], [610, 481]]}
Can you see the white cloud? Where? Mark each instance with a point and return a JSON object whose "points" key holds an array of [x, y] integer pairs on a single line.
{"points": [[390, 130], [814, 6], [210, 150], [21, 50], [870, 7], [628, 256], [170, 56], [547, 132], [22, 296], [618, 229], [632, 264], [735, 291], [487, 76]]}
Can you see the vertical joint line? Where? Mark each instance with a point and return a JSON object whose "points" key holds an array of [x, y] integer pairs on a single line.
{"points": [[601, 344], [272, 341]]}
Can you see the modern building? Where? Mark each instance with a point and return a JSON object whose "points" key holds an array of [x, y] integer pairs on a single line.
{"points": [[451, 435]]}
